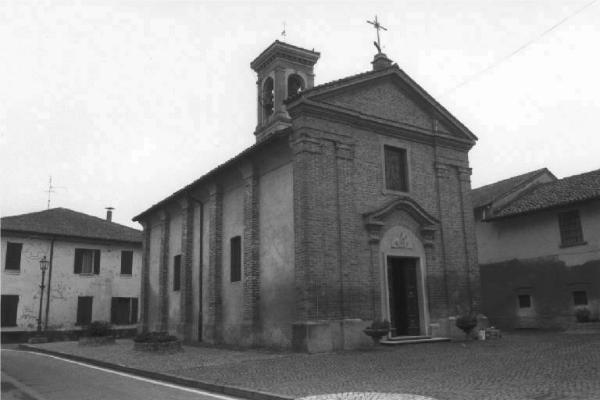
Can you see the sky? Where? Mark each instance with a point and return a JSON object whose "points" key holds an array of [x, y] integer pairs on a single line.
{"points": [[125, 102]]}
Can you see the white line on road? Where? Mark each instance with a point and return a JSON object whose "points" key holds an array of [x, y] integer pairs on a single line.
{"points": [[139, 378]]}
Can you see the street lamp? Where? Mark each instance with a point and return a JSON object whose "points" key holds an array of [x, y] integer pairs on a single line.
{"points": [[43, 266]]}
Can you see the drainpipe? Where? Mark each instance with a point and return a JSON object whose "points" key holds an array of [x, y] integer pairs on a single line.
{"points": [[49, 281]]}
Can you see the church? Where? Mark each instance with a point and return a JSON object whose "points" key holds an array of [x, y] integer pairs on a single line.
{"points": [[352, 206]]}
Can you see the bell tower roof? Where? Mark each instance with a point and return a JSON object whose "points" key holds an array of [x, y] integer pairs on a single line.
{"points": [[284, 51]]}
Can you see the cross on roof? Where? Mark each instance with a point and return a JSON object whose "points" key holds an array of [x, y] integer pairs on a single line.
{"points": [[378, 27]]}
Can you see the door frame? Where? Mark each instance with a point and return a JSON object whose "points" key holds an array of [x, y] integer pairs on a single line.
{"points": [[416, 260]]}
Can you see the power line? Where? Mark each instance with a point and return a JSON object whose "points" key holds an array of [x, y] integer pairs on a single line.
{"points": [[521, 48]]}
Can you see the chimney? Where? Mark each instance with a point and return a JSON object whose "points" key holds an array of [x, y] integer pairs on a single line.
{"points": [[109, 213]]}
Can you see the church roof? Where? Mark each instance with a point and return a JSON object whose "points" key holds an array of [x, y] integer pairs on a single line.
{"points": [[562, 192], [69, 223], [393, 70], [487, 194]]}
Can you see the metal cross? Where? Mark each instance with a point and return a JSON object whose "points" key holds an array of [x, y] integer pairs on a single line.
{"points": [[283, 33], [377, 26]]}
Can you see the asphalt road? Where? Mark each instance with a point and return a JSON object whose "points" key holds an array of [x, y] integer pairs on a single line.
{"points": [[32, 376]]}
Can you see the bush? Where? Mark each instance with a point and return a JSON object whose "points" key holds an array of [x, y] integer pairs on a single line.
{"points": [[380, 325], [582, 314], [154, 337], [98, 328], [466, 323]]}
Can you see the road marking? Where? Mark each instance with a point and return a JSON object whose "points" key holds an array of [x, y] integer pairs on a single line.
{"points": [[139, 378]]}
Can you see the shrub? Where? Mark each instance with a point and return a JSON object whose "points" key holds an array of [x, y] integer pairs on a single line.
{"points": [[582, 314], [154, 337], [98, 328], [466, 323], [380, 325]]}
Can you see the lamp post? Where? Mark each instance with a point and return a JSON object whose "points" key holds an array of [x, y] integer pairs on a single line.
{"points": [[43, 266]]}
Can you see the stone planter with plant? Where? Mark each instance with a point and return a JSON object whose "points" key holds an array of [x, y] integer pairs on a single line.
{"points": [[160, 342], [582, 314], [377, 330], [466, 323], [97, 333]]}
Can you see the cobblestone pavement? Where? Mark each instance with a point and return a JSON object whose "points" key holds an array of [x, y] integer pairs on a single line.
{"points": [[540, 366]]}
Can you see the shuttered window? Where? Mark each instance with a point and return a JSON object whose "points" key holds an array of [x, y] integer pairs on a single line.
{"points": [[570, 228], [126, 262], [124, 310], [396, 169], [87, 261], [84, 310], [13, 256], [236, 258], [10, 303], [177, 272]]}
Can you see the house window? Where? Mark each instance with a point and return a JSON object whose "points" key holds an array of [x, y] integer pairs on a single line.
{"points": [[177, 272], [126, 262], [87, 261], [524, 301], [13, 256], [396, 169], [124, 310], [9, 305], [570, 228], [580, 298], [84, 310], [236, 258]]}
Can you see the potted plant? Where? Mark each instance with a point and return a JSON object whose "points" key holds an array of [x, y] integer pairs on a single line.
{"points": [[377, 330], [97, 333], [466, 323], [582, 314], [156, 342]]}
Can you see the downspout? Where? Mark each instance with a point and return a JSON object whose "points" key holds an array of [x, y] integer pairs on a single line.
{"points": [[49, 281]]}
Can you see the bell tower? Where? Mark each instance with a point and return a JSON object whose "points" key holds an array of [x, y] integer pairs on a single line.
{"points": [[283, 70]]}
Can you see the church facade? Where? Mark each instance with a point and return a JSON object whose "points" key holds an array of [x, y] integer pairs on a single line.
{"points": [[352, 206]]}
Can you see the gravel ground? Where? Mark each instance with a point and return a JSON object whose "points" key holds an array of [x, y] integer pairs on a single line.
{"points": [[541, 366]]}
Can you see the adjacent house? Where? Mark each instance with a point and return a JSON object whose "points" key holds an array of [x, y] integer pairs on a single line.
{"points": [[353, 205], [93, 272], [539, 248]]}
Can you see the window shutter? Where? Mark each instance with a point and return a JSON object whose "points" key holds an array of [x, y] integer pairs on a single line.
{"points": [[96, 262], [113, 309], [9, 307], [126, 262], [78, 259], [13, 256], [236, 259], [134, 310]]}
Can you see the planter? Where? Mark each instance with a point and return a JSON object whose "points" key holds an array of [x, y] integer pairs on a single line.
{"points": [[172, 346], [376, 334], [96, 340]]}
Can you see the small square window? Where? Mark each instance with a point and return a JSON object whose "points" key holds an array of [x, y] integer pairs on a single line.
{"points": [[396, 169], [570, 228], [524, 301], [13, 256], [126, 262], [580, 298], [177, 273], [236, 259]]}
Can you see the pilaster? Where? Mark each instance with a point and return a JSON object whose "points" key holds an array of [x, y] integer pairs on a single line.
{"points": [[163, 279], [215, 267], [186, 299], [145, 278]]}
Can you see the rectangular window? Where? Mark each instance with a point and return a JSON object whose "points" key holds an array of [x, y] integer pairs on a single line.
{"points": [[396, 169], [13, 256], [236, 258], [124, 310], [84, 310], [9, 305], [126, 262], [177, 272], [524, 301], [570, 228], [580, 298], [87, 261]]}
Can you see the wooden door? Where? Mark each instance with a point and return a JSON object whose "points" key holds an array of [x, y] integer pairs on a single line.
{"points": [[403, 296]]}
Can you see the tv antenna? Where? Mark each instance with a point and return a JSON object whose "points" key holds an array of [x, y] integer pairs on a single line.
{"points": [[51, 190]]}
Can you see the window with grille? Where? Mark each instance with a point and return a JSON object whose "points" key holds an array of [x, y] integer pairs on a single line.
{"points": [[12, 261], [236, 259], [87, 261], [396, 169], [124, 310], [177, 272], [570, 228], [84, 310], [524, 301], [9, 305], [580, 298], [126, 262]]}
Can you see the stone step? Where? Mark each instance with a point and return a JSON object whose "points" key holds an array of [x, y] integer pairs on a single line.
{"points": [[412, 340]]}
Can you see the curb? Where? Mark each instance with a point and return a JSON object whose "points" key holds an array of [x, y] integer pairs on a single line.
{"points": [[209, 387]]}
